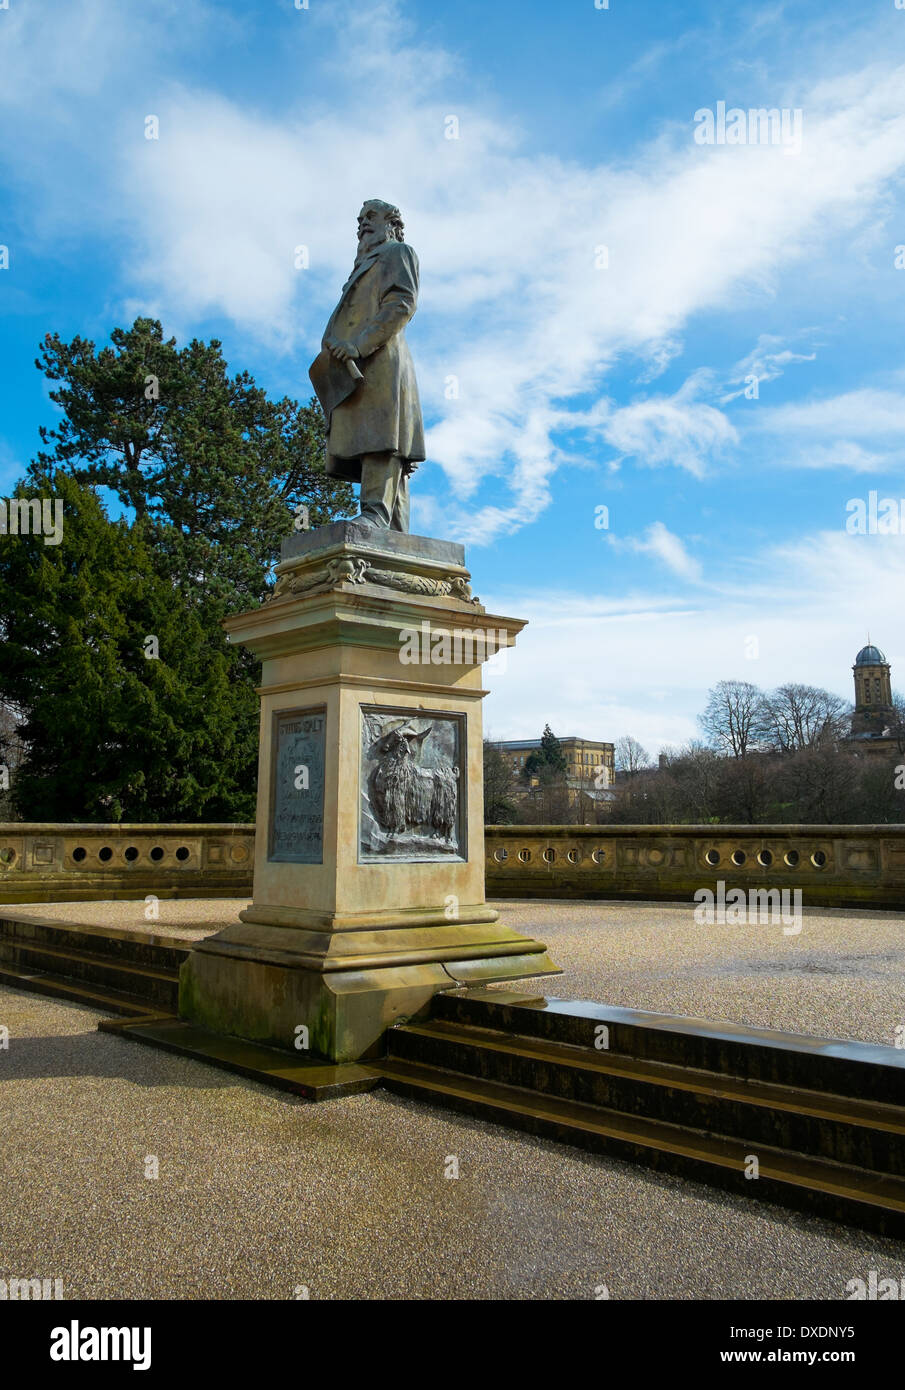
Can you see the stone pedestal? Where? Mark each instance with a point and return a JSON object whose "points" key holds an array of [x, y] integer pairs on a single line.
{"points": [[369, 863]]}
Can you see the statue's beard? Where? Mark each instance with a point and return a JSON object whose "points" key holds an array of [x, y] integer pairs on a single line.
{"points": [[369, 242]]}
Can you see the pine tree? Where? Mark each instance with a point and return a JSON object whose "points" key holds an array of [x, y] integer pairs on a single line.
{"points": [[549, 762], [132, 709]]}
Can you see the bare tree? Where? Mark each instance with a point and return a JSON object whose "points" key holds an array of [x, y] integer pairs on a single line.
{"points": [[630, 757], [695, 773], [11, 755], [734, 719], [745, 790], [897, 724], [825, 784], [800, 716], [500, 800]]}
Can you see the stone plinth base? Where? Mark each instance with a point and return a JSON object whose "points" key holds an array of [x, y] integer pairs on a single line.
{"points": [[369, 851], [345, 988]]}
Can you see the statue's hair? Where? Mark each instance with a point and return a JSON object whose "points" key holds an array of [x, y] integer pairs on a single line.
{"points": [[393, 217]]}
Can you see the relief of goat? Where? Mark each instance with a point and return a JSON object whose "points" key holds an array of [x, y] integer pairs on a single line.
{"points": [[404, 795]]}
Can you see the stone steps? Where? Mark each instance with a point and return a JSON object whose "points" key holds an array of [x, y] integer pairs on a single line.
{"points": [[863, 1070], [116, 971], [838, 1151], [58, 987]]}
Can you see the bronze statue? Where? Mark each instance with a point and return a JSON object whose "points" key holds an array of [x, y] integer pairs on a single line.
{"points": [[364, 376]]}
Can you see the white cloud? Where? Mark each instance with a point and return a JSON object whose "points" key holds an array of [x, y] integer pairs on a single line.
{"points": [[679, 429], [865, 414], [666, 547], [767, 360], [860, 431], [513, 304], [670, 549]]}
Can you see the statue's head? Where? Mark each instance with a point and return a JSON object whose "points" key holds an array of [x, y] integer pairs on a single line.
{"points": [[378, 222]]}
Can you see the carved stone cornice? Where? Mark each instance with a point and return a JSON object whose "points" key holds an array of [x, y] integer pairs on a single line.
{"points": [[350, 554]]}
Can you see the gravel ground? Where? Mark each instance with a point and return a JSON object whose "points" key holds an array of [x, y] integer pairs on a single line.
{"points": [[259, 1193], [191, 918]]}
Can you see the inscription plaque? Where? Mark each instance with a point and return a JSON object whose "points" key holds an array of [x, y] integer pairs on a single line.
{"points": [[297, 787]]}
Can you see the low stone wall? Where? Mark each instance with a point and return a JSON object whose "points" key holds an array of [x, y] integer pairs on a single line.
{"points": [[842, 865], [73, 863], [833, 865]]}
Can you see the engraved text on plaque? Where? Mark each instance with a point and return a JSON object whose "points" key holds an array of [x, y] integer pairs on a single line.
{"points": [[297, 791]]}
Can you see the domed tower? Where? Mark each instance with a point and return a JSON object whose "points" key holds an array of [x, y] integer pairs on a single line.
{"points": [[873, 693]]}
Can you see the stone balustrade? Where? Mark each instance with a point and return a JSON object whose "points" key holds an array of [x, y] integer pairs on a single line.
{"points": [[842, 865], [833, 865], [71, 863]]}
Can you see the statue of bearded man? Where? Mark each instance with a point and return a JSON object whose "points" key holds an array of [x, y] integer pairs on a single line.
{"points": [[364, 375]]}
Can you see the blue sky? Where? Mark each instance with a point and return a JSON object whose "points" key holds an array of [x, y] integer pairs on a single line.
{"points": [[581, 385]]}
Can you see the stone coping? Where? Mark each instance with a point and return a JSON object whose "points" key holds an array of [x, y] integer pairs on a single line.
{"points": [[399, 544], [720, 1030], [720, 831], [151, 828]]}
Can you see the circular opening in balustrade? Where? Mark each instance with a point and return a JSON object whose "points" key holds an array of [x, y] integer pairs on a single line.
{"points": [[79, 854], [131, 854], [501, 855], [182, 854], [573, 856], [792, 857], [105, 854], [549, 855], [713, 857], [156, 854], [7, 856], [765, 858], [818, 859], [738, 857], [599, 856], [524, 855]]}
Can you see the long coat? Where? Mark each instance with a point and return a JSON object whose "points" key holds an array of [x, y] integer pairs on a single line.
{"points": [[383, 413]]}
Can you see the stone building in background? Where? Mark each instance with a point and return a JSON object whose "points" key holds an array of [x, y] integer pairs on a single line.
{"points": [[877, 727], [591, 766], [874, 713]]}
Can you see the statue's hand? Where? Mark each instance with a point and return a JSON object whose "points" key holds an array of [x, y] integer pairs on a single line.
{"points": [[343, 350]]}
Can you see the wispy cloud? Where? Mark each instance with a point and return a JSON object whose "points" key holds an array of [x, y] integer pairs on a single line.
{"points": [[766, 361], [861, 431], [659, 542]]}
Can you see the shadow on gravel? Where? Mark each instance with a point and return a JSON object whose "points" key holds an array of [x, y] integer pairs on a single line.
{"points": [[94, 1056]]}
